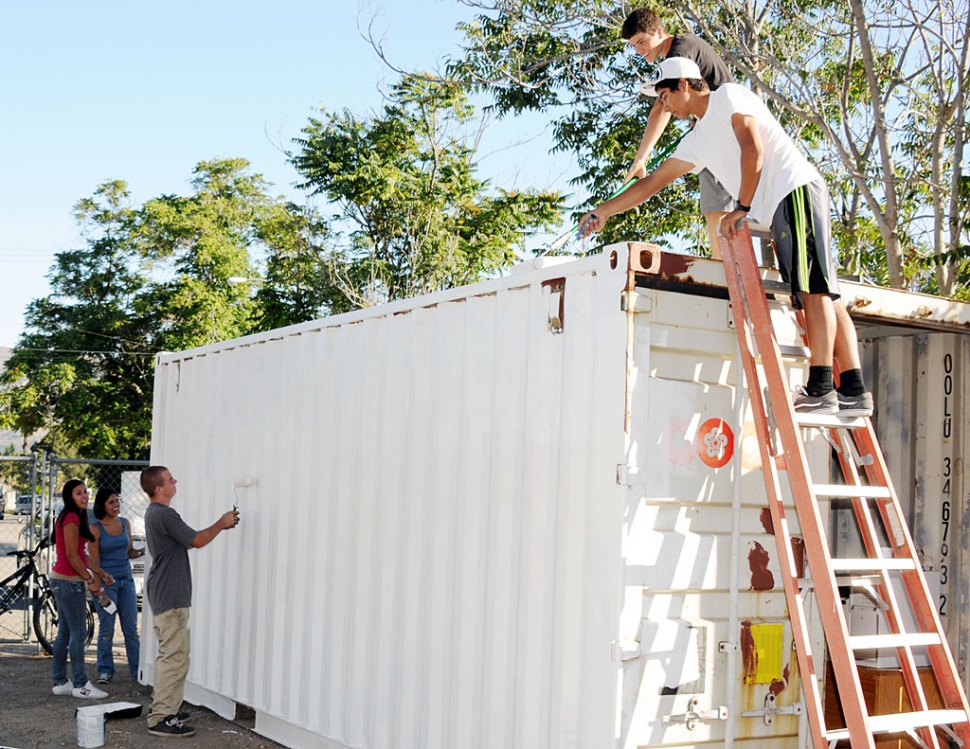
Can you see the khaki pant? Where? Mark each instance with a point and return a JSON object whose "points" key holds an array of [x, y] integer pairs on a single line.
{"points": [[171, 663]]}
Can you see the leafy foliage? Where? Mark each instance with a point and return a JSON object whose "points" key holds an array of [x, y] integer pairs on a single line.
{"points": [[150, 279], [875, 91], [84, 366], [414, 216]]}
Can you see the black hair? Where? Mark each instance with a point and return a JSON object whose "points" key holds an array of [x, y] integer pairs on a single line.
{"points": [[67, 494], [672, 84], [100, 499]]}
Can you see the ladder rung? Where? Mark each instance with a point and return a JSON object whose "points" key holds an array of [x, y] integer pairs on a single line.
{"points": [[832, 421], [776, 287], [789, 351], [855, 490], [885, 563], [904, 722], [873, 642]]}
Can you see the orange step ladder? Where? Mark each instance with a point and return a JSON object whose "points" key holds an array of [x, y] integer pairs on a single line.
{"points": [[779, 431]]}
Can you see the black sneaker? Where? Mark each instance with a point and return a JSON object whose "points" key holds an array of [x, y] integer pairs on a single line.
{"points": [[855, 405], [183, 716], [171, 726]]}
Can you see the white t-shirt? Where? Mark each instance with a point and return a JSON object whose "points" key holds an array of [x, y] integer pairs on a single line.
{"points": [[712, 144]]}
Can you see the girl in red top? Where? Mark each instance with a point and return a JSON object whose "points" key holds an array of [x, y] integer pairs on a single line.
{"points": [[71, 580]]}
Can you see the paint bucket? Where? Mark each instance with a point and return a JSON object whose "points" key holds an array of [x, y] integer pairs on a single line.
{"points": [[90, 727]]}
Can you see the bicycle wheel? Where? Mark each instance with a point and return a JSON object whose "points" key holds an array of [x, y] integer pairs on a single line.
{"points": [[45, 622]]}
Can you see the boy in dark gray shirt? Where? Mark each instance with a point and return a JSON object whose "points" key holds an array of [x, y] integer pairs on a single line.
{"points": [[168, 587]]}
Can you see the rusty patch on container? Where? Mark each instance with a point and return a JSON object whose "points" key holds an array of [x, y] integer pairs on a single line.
{"points": [[776, 687], [761, 577], [749, 653], [766, 521], [673, 265]]}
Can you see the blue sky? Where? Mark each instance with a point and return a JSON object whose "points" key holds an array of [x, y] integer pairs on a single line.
{"points": [[142, 91]]}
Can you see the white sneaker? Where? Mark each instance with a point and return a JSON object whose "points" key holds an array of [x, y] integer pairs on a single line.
{"points": [[89, 692], [63, 689]]}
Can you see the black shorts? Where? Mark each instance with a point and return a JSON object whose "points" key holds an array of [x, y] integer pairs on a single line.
{"points": [[802, 232]]}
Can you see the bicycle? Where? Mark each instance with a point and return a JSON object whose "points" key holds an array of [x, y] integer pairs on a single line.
{"points": [[14, 589]]}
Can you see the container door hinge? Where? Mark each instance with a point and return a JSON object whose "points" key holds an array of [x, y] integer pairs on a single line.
{"points": [[693, 716], [624, 650], [627, 475], [770, 710]]}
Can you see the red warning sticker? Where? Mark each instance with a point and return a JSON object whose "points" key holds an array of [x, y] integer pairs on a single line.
{"points": [[715, 443]]}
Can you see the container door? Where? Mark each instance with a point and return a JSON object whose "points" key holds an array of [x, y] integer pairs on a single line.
{"points": [[705, 641]]}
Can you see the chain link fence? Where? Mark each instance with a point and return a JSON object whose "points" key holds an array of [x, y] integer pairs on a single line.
{"points": [[30, 498]]}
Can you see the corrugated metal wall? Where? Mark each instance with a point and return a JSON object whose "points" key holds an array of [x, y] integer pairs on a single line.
{"points": [[431, 555]]}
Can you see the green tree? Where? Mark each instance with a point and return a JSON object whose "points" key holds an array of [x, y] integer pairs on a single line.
{"points": [[150, 278], [413, 217], [83, 369], [298, 283], [199, 241]]}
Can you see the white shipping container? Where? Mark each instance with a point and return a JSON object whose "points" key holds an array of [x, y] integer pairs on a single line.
{"points": [[526, 513]]}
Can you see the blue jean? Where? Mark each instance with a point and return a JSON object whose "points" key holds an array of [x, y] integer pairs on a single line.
{"points": [[72, 630], [123, 594]]}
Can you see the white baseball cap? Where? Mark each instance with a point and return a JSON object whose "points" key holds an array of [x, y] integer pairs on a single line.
{"points": [[672, 67]]}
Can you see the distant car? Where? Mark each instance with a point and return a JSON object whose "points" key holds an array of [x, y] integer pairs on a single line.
{"points": [[24, 505]]}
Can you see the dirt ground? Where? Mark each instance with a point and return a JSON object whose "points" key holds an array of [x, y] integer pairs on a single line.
{"points": [[31, 717]]}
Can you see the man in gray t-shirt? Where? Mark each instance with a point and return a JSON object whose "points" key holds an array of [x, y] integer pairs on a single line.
{"points": [[168, 587]]}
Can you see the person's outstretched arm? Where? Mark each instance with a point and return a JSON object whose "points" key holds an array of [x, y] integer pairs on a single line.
{"points": [[656, 124], [227, 521], [641, 192]]}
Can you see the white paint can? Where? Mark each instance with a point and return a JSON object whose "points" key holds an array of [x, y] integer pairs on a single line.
{"points": [[90, 727]]}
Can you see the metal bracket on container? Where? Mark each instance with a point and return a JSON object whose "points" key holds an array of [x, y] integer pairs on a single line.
{"points": [[770, 710], [693, 716], [624, 650], [631, 301], [629, 475], [727, 647], [557, 303]]}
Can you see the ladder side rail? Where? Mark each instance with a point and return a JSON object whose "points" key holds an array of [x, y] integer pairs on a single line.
{"points": [[738, 253], [867, 527], [941, 658], [803, 646]]}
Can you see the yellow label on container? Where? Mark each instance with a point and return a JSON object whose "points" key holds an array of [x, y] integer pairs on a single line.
{"points": [[769, 650]]}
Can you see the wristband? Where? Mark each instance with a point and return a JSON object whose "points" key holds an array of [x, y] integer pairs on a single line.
{"points": [[739, 207]]}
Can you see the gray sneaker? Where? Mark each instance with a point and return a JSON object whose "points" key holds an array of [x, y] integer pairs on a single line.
{"points": [[815, 404], [855, 405]]}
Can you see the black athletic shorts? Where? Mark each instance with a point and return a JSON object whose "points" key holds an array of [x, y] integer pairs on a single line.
{"points": [[802, 231]]}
